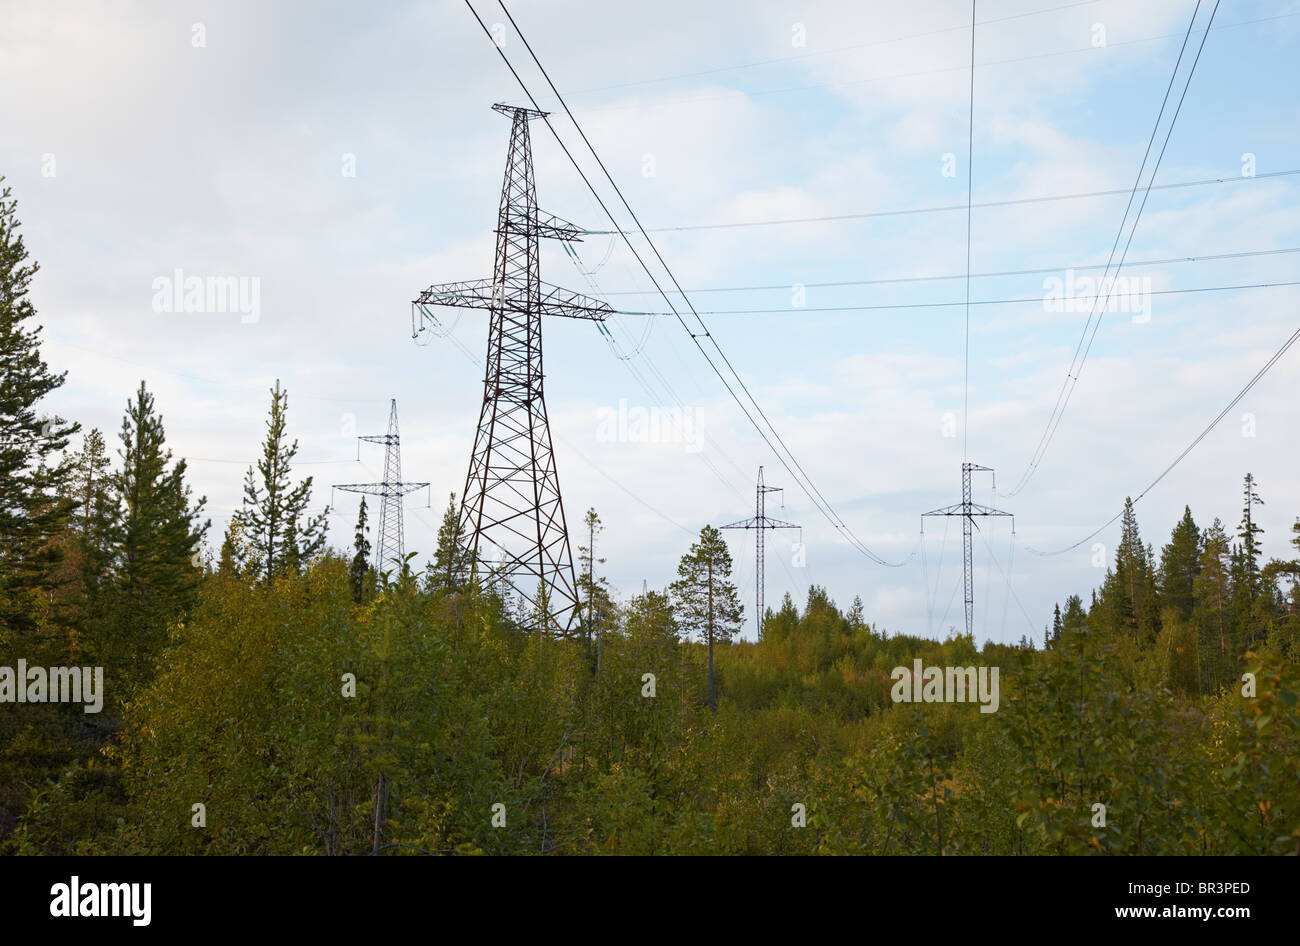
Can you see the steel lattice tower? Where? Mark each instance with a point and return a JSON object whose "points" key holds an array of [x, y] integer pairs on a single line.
{"points": [[511, 499], [760, 524], [392, 542], [968, 510]]}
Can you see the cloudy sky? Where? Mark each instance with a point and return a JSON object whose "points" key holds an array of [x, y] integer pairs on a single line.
{"points": [[345, 157]]}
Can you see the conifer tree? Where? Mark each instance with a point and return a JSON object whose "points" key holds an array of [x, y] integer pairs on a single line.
{"points": [[90, 487], [1180, 563], [856, 616], [1074, 619], [1213, 592], [360, 566], [1129, 591], [705, 601], [32, 469], [273, 519], [598, 605], [1249, 531], [156, 532], [450, 567]]}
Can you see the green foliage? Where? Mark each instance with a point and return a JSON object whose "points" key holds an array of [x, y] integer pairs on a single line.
{"points": [[154, 537], [278, 536], [290, 701], [32, 471], [360, 576], [704, 601], [449, 571]]}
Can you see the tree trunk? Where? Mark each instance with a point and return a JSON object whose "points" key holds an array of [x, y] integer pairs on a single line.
{"points": [[713, 702], [380, 791]]}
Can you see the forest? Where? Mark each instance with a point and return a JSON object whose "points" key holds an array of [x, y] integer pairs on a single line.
{"points": [[278, 695]]}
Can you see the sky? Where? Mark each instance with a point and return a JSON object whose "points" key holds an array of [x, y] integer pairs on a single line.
{"points": [[338, 158]]}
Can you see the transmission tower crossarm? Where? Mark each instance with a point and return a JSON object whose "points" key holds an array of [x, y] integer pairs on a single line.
{"points": [[767, 523], [553, 227], [510, 111], [380, 489], [966, 509], [957, 509], [484, 294], [467, 294]]}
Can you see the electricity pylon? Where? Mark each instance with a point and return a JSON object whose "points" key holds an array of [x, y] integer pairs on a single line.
{"points": [[512, 496], [392, 543], [760, 524], [967, 510]]}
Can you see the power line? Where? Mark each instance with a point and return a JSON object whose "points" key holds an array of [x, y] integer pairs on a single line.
{"points": [[948, 208], [1072, 374], [255, 462], [641, 380], [941, 305], [826, 52], [924, 72], [469, 356], [828, 511], [994, 559], [970, 172], [1277, 356], [1244, 254]]}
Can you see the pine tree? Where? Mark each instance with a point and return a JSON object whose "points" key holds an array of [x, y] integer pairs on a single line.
{"points": [[704, 600], [1057, 624], [1249, 531], [156, 533], [32, 468], [594, 590], [360, 566], [272, 517]]}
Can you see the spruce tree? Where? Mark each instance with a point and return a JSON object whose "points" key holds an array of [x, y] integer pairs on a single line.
{"points": [[90, 488], [703, 599], [1213, 592], [33, 509], [1249, 531], [1180, 563], [360, 566], [856, 616], [1074, 619], [1129, 592], [156, 533], [450, 567], [272, 519]]}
